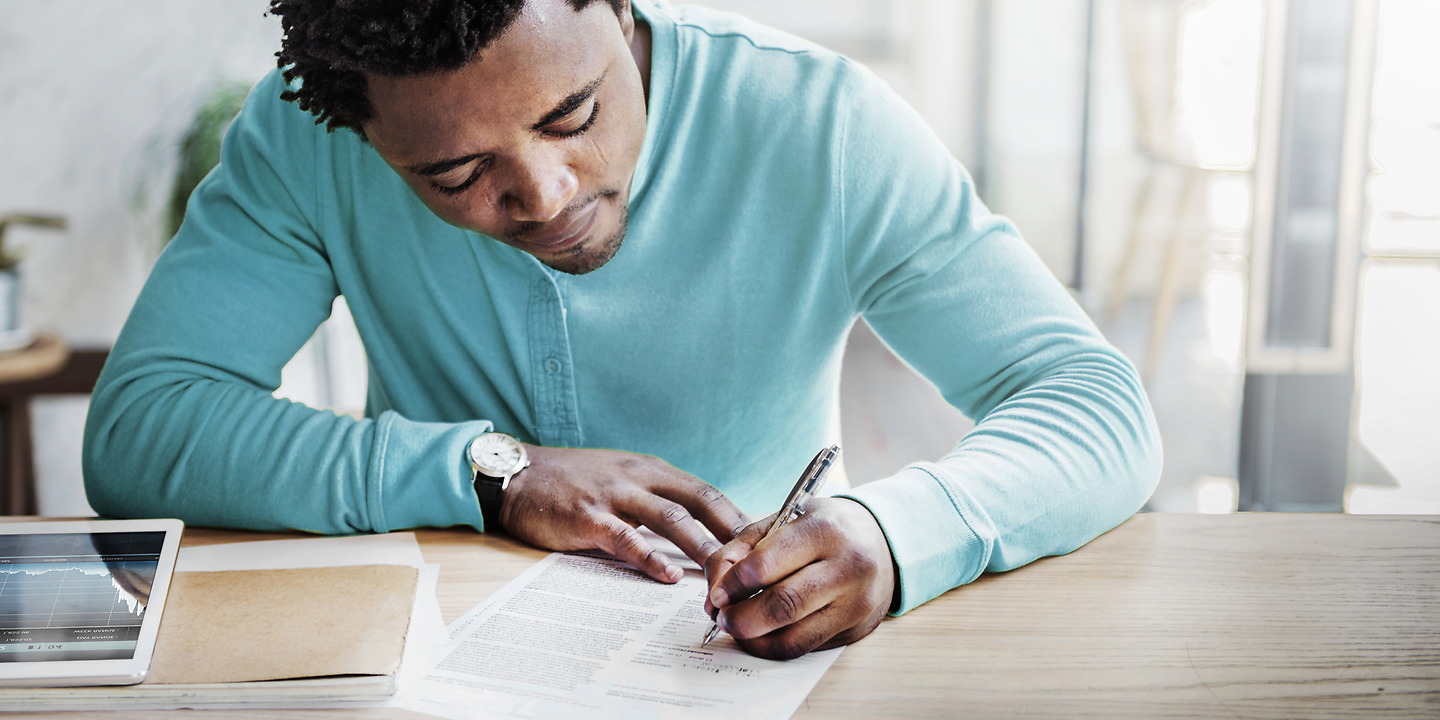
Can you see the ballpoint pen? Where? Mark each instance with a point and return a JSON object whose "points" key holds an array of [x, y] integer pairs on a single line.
{"points": [[805, 488]]}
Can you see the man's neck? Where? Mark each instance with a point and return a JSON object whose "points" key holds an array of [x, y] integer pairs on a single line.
{"points": [[640, 50]]}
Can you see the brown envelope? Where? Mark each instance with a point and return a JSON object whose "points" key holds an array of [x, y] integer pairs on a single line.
{"points": [[244, 625]]}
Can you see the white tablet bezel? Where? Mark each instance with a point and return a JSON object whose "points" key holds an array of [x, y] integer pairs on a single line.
{"points": [[68, 673]]}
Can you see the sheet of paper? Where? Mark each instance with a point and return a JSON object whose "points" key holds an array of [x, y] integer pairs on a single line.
{"points": [[426, 640], [391, 549], [587, 636]]}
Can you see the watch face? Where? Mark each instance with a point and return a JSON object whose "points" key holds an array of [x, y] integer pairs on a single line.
{"points": [[497, 454]]}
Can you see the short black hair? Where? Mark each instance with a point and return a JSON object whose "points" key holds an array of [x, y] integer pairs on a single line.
{"points": [[330, 45]]}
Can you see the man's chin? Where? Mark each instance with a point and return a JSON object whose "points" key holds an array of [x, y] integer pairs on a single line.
{"points": [[590, 256]]}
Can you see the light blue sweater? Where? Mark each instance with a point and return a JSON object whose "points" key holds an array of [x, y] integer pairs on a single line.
{"points": [[782, 192]]}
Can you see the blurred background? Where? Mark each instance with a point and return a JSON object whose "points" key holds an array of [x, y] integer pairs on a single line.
{"points": [[1245, 194]]}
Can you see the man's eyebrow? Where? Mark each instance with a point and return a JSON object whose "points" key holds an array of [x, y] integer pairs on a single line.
{"points": [[569, 104], [442, 166]]}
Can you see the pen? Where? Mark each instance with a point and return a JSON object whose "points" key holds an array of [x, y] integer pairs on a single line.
{"points": [[805, 488]]}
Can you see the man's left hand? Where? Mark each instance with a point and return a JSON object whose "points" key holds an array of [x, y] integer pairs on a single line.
{"points": [[827, 580]]}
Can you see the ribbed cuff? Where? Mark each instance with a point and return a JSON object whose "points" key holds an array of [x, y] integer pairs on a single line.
{"points": [[419, 474], [939, 540]]}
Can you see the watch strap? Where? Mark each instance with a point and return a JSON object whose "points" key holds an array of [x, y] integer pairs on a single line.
{"points": [[491, 493]]}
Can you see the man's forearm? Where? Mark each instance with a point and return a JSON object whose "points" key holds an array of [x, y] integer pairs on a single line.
{"points": [[160, 441], [1048, 470]]}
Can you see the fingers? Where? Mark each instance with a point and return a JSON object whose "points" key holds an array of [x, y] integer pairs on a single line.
{"points": [[820, 615], [816, 631], [718, 565], [714, 509], [684, 510], [821, 581], [752, 563], [673, 521], [626, 543], [572, 499]]}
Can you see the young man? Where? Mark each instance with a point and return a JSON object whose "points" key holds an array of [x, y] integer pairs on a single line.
{"points": [[589, 225]]}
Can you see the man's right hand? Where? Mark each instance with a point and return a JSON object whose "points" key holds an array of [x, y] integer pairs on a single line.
{"points": [[578, 499]]}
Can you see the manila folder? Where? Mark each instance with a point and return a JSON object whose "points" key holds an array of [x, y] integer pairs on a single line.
{"points": [[247, 625]]}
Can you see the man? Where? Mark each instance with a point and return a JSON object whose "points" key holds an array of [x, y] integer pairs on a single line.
{"points": [[634, 238]]}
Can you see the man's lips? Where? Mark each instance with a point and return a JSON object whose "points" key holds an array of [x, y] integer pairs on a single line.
{"points": [[573, 230]]}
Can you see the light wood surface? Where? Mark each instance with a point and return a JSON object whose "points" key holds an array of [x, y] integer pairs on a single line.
{"points": [[1167, 616], [44, 356], [1174, 616]]}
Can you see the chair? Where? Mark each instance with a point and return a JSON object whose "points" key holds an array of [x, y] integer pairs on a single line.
{"points": [[1165, 42]]}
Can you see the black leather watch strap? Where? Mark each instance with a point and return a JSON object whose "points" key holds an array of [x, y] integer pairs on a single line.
{"points": [[488, 490]]}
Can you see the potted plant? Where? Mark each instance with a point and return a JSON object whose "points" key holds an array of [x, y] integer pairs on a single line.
{"points": [[13, 332], [198, 151]]}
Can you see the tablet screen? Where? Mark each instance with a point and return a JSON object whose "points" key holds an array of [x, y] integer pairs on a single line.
{"points": [[75, 596]]}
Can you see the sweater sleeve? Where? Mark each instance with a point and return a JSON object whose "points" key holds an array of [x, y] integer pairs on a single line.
{"points": [[1065, 445], [183, 421]]}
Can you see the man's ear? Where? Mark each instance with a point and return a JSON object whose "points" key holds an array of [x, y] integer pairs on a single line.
{"points": [[627, 20]]}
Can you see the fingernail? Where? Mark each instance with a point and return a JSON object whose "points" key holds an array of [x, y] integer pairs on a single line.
{"points": [[674, 572], [718, 597]]}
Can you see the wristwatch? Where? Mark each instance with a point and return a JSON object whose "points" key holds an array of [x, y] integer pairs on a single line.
{"points": [[496, 458]]}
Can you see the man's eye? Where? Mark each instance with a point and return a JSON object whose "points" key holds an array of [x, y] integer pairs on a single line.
{"points": [[459, 179], [572, 125], [454, 177]]}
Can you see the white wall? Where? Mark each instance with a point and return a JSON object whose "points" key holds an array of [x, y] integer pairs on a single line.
{"points": [[92, 96], [1033, 160]]}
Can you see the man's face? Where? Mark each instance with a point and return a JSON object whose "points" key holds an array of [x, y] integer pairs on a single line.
{"points": [[534, 143]]}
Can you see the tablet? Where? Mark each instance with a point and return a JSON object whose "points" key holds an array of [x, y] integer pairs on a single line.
{"points": [[80, 600]]}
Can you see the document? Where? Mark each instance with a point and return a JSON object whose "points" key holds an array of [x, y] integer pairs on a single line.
{"points": [[586, 636]]}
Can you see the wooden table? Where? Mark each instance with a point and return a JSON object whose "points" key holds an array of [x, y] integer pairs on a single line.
{"points": [[1167, 616], [46, 367]]}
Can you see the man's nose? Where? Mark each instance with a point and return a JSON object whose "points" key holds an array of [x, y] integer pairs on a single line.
{"points": [[541, 190]]}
